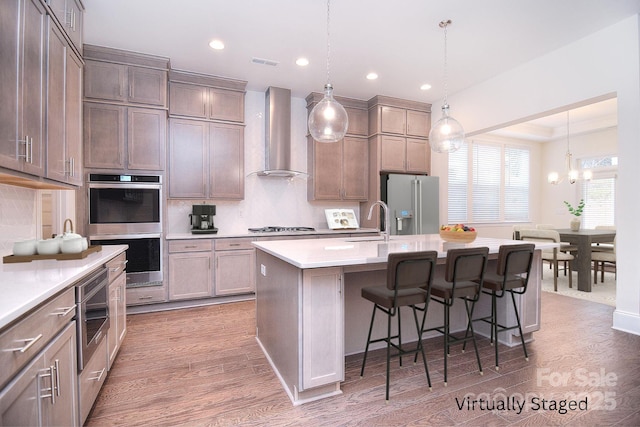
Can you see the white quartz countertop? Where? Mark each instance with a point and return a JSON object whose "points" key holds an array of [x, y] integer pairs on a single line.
{"points": [[316, 253], [25, 285], [279, 234]]}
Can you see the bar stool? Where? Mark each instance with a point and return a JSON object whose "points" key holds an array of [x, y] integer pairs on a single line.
{"points": [[409, 276], [512, 276], [464, 272]]}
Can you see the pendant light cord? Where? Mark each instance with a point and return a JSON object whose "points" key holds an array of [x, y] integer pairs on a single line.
{"points": [[445, 24], [328, 39]]}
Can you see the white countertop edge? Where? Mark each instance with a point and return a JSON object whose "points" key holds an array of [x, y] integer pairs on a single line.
{"points": [[323, 231], [23, 290]]}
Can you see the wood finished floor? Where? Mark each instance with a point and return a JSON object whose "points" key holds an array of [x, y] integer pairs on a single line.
{"points": [[203, 367]]}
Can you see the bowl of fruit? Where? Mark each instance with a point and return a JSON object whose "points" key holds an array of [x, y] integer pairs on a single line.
{"points": [[458, 233]]}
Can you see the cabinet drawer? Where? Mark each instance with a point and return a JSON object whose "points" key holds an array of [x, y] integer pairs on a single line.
{"points": [[91, 379], [21, 342], [116, 266], [146, 295], [195, 245], [233, 244]]}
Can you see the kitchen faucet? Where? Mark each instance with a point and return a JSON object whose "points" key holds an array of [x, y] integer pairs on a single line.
{"points": [[387, 221]]}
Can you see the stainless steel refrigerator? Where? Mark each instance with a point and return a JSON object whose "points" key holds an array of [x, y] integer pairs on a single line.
{"points": [[413, 203]]}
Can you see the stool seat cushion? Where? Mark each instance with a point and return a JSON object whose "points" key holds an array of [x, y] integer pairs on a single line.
{"points": [[493, 281], [383, 296], [442, 289]]}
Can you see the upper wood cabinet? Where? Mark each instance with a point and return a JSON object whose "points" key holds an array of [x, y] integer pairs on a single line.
{"points": [[399, 154], [64, 110], [206, 97], [118, 137], [69, 15], [206, 160], [22, 90], [113, 75]]}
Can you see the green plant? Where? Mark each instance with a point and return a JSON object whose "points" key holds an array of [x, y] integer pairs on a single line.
{"points": [[577, 211]]}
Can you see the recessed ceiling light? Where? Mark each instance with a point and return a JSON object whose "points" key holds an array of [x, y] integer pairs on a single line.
{"points": [[303, 62], [216, 44], [372, 76], [425, 86]]}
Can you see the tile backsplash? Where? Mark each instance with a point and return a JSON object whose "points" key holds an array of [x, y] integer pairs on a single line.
{"points": [[18, 216]]}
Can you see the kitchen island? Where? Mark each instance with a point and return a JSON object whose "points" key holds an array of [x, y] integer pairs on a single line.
{"points": [[310, 314]]}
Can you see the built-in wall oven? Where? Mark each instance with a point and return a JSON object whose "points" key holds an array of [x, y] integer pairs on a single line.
{"points": [[92, 323], [127, 210]]}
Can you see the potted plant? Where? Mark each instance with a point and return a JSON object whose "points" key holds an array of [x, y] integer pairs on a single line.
{"points": [[576, 212]]}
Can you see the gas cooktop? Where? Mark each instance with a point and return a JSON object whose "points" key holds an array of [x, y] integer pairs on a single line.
{"points": [[275, 229]]}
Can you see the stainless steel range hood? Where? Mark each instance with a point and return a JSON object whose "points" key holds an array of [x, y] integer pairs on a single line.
{"points": [[278, 134]]}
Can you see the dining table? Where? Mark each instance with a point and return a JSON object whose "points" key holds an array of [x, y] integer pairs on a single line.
{"points": [[583, 239]]}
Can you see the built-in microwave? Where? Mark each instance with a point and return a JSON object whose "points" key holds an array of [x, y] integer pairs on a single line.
{"points": [[124, 204]]}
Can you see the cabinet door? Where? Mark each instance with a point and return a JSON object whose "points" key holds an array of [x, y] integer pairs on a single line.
{"points": [[355, 169], [147, 86], [418, 123], [418, 155], [190, 275], [226, 105], [73, 111], [105, 81], [55, 129], [393, 153], [235, 272], [19, 400], [122, 309], [358, 121], [327, 170], [104, 136], [146, 138], [188, 100], [117, 316], [60, 360], [10, 16], [188, 158], [392, 120], [226, 161], [74, 23], [322, 342]]}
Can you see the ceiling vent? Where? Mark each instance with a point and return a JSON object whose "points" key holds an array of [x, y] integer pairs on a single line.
{"points": [[263, 61]]}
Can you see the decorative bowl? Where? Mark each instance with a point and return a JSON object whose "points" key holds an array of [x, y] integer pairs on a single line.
{"points": [[458, 236], [49, 246], [71, 246], [25, 247]]}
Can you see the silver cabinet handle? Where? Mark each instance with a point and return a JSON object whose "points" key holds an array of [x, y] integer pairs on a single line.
{"points": [[99, 377], [72, 167], [66, 311], [48, 373], [190, 247], [30, 158], [30, 342], [57, 368]]}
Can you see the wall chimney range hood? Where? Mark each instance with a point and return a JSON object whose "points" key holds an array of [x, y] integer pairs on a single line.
{"points": [[278, 134]]}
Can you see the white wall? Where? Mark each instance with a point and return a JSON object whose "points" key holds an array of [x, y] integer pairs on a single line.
{"points": [[17, 216], [604, 63], [268, 201]]}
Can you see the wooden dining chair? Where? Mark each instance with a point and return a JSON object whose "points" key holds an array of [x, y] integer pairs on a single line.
{"points": [[554, 256]]}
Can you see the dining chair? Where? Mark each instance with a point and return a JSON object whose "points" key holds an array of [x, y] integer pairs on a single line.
{"points": [[409, 278], [600, 259], [606, 246], [554, 256], [564, 247]]}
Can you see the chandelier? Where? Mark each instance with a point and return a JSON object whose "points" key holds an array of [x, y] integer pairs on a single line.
{"points": [[572, 175]]}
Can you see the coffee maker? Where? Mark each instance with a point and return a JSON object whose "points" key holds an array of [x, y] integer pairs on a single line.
{"points": [[202, 219]]}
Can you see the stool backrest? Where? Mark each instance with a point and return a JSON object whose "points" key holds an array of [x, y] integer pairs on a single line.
{"points": [[515, 259], [466, 264], [411, 269]]}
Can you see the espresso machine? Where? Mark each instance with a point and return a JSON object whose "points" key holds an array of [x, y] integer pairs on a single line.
{"points": [[202, 219]]}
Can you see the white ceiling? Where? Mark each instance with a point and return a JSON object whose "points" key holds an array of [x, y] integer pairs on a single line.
{"points": [[399, 40]]}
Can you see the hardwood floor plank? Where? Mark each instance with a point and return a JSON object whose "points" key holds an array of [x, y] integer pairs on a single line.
{"points": [[203, 367]]}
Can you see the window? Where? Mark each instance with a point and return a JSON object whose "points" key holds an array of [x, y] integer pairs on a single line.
{"points": [[488, 182], [599, 194]]}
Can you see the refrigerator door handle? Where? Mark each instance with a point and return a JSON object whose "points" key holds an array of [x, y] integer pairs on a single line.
{"points": [[417, 206]]}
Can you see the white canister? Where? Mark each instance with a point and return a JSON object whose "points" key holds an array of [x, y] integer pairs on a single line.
{"points": [[25, 247], [49, 246], [71, 245]]}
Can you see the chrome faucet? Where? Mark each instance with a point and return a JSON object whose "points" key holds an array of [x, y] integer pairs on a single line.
{"points": [[387, 220]]}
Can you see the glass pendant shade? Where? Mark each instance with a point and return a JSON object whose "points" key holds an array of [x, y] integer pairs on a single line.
{"points": [[328, 121], [446, 134]]}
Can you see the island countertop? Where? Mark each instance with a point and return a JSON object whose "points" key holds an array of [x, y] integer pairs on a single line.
{"points": [[316, 253], [25, 285]]}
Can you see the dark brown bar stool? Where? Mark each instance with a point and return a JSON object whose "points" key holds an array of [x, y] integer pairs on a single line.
{"points": [[409, 276], [463, 277], [512, 276]]}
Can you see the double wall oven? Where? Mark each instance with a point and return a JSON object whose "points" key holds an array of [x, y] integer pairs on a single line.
{"points": [[127, 209]]}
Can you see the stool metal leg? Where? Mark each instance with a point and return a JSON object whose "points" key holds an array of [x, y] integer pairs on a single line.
{"points": [[524, 347], [366, 349]]}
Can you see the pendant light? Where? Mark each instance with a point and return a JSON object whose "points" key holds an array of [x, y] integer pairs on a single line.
{"points": [[328, 120], [572, 174], [447, 134]]}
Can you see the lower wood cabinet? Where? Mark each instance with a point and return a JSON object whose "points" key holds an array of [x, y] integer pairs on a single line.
{"points": [[45, 391], [117, 306], [235, 271], [91, 379], [190, 274]]}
